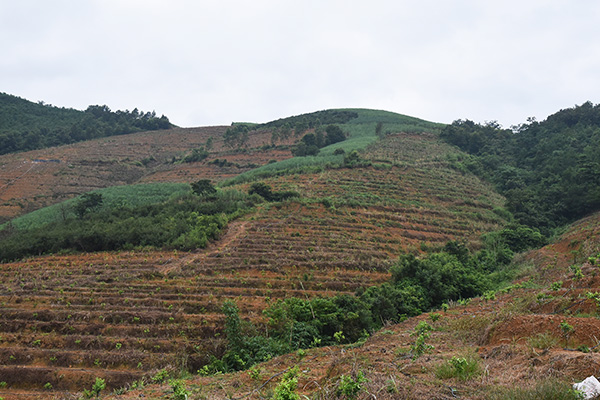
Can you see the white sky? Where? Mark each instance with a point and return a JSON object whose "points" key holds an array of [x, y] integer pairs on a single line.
{"points": [[211, 62]]}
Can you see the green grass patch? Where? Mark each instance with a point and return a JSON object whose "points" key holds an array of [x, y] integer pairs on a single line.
{"points": [[543, 341], [462, 368], [116, 196]]}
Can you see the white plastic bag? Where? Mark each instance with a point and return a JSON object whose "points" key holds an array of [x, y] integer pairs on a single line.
{"points": [[590, 387]]}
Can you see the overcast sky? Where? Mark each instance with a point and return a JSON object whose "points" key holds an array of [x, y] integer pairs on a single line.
{"points": [[211, 62]]}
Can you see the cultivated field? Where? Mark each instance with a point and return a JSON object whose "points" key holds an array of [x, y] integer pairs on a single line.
{"points": [[530, 340], [35, 179], [67, 319]]}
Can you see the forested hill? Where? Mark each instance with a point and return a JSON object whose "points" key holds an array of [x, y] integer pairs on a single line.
{"points": [[549, 171], [25, 125]]}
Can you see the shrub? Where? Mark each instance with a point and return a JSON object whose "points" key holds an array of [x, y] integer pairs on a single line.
{"points": [[160, 376], [179, 390], [348, 387], [204, 187], [567, 330], [266, 192], [422, 333], [98, 386], [196, 155], [286, 389]]}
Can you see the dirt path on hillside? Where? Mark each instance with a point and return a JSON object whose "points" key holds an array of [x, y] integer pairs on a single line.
{"points": [[235, 230]]}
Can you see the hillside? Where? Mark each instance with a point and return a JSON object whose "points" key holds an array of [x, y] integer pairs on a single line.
{"points": [[25, 125], [512, 344], [326, 261], [122, 315], [35, 179], [32, 180]]}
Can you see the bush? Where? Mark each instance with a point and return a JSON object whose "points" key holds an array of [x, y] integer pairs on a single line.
{"points": [[266, 192], [286, 389], [196, 155], [349, 387], [442, 276], [98, 386], [179, 390]]}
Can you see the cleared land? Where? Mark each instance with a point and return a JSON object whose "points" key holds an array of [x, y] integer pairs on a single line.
{"points": [[69, 319], [35, 179], [514, 340]]}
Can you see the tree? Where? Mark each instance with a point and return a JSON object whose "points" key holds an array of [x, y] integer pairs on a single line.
{"points": [[261, 189], [204, 188], [87, 203], [334, 134], [379, 128]]}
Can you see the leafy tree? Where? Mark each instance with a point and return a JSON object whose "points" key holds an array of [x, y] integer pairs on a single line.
{"points": [[87, 203], [196, 155], [204, 188], [442, 276], [237, 136], [334, 135], [311, 142], [267, 193], [262, 189]]}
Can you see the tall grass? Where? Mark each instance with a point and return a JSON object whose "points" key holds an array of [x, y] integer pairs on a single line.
{"points": [[549, 389], [116, 196]]}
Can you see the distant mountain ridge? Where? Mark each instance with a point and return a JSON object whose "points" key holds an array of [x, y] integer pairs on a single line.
{"points": [[25, 125]]}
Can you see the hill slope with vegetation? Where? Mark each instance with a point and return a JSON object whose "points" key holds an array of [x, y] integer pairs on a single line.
{"points": [[347, 222], [255, 245], [25, 125], [549, 171], [529, 340]]}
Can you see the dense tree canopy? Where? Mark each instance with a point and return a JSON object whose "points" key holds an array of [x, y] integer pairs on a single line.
{"points": [[549, 171], [29, 126]]}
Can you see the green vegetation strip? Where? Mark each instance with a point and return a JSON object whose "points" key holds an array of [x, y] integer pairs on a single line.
{"points": [[113, 197]]}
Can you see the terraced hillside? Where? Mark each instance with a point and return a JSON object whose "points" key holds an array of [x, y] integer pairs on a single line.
{"points": [[512, 344], [35, 179], [68, 319]]}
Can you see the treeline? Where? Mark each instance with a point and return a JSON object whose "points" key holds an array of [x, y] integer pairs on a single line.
{"points": [[186, 222], [313, 120], [549, 171], [417, 285], [311, 142], [237, 135], [25, 125]]}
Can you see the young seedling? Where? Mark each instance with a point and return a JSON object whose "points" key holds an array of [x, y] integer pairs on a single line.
{"points": [[567, 330]]}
